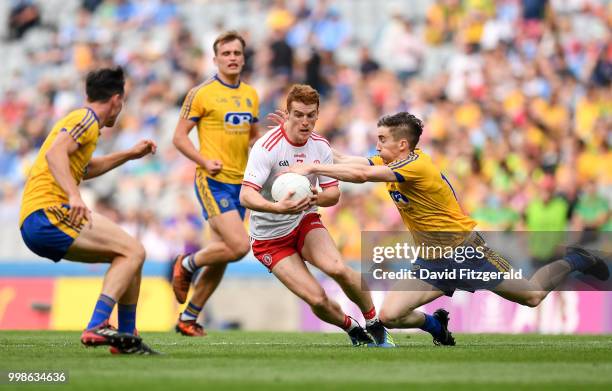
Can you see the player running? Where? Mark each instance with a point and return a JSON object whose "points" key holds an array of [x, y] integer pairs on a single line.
{"points": [[285, 234], [55, 222], [428, 206], [225, 111]]}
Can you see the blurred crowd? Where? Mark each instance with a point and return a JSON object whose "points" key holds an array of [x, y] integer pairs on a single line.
{"points": [[515, 96]]}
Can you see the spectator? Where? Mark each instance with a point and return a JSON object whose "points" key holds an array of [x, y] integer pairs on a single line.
{"points": [[24, 15]]}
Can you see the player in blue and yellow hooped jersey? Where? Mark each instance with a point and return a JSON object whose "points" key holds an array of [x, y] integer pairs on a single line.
{"points": [[225, 111], [429, 208], [55, 222]]}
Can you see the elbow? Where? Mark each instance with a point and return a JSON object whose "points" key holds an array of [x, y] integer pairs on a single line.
{"points": [[178, 140], [335, 199], [361, 177], [330, 197], [50, 156], [243, 198]]}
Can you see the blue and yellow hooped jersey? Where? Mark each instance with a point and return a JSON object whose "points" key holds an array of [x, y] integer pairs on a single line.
{"points": [[41, 189], [424, 197], [224, 114]]}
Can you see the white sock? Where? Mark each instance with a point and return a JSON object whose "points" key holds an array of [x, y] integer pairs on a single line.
{"points": [[185, 316], [370, 322], [189, 263]]}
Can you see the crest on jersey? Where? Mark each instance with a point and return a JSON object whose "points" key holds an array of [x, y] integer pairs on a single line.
{"points": [[398, 197], [249, 103], [237, 121]]}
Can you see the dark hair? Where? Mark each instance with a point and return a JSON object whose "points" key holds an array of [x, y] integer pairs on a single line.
{"points": [[403, 125], [228, 36], [103, 83], [302, 93]]}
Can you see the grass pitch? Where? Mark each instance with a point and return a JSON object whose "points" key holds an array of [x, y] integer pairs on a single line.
{"points": [[314, 361]]}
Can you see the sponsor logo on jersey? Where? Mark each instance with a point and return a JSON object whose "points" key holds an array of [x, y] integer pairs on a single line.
{"points": [[237, 121]]}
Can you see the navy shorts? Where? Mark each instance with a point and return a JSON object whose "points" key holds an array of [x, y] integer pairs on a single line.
{"points": [[468, 275], [217, 197], [48, 232]]}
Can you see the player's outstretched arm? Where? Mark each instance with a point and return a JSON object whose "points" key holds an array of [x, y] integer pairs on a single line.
{"points": [[355, 173], [341, 158], [182, 142], [59, 164], [102, 164], [252, 199]]}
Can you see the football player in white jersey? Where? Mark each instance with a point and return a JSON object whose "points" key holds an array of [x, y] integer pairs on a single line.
{"points": [[287, 233]]}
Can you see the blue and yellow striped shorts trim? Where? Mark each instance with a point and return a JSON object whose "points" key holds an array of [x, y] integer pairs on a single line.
{"points": [[217, 197], [49, 233]]}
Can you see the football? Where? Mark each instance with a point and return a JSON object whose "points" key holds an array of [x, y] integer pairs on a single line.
{"points": [[289, 182]]}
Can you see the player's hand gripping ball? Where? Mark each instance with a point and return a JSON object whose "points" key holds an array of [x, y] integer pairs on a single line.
{"points": [[288, 182]]}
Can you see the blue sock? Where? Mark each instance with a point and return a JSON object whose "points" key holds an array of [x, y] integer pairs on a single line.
{"points": [[431, 325], [102, 311], [127, 318], [577, 261]]}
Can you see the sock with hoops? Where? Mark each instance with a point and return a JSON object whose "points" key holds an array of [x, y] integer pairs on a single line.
{"points": [[102, 311], [349, 323], [189, 263], [370, 317], [191, 312]]}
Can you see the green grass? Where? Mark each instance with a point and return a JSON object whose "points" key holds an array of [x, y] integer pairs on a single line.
{"points": [[311, 361]]}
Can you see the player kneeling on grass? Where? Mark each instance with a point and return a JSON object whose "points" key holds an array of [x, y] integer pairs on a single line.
{"points": [[55, 222], [287, 233], [429, 209]]}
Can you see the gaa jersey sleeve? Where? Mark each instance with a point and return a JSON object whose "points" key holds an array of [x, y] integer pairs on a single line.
{"points": [[82, 126], [194, 106], [258, 167], [375, 161], [407, 169]]}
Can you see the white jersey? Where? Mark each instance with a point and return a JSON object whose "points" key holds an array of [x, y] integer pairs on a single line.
{"points": [[271, 155]]}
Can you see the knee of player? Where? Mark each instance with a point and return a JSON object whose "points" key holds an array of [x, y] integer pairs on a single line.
{"points": [[238, 250], [137, 252], [340, 272], [533, 299], [318, 301], [386, 317], [242, 249]]}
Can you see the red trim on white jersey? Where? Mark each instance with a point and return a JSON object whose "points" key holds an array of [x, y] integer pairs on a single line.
{"points": [[252, 185], [289, 141], [316, 137], [328, 184], [274, 142], [272, 137]]}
